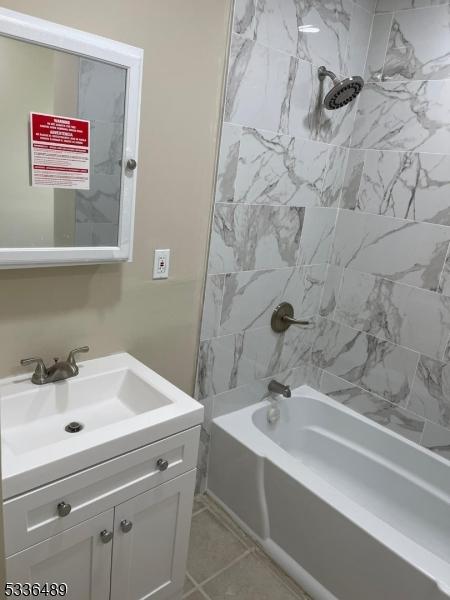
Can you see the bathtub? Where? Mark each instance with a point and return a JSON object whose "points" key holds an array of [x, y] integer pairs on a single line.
{"points": [[349, 509]]}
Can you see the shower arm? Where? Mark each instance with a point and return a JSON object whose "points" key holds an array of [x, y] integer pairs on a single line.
{"points": [[324, 72]]}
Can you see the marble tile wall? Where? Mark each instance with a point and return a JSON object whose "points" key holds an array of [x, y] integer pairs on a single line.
{"points": [[385, 337], [345, 214], [101, 100], [280, 174]]}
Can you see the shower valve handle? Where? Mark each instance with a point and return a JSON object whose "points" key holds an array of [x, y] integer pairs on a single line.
{"points": [[283, 318]]}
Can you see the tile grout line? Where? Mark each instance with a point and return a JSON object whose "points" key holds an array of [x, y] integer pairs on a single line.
{"points": [[259, 380], [442, 273], [321, 264], [223, 569], [216, 511], [197, 512], [203, 593], [254, 549]]}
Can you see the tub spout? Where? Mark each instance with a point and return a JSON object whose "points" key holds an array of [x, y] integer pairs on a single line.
{"points": [[278, 388]]}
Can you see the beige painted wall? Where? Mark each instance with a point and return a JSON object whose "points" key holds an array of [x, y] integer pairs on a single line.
{"points": [[118, 307], [26, 213]]}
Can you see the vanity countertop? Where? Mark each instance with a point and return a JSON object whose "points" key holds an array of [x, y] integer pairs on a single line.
{"points": [[120, 404]]}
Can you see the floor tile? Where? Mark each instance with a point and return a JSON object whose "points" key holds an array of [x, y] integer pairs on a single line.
{"points": [[196, 595], [212, 546], [198, 503], [248, 579], [188, 585], [280, 574], [229, 523]]}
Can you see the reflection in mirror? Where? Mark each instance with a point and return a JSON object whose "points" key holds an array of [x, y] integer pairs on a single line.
{"points": [[38, 79]]}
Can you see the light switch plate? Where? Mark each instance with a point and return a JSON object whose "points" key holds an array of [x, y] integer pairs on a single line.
{"points": [[161, 264]]}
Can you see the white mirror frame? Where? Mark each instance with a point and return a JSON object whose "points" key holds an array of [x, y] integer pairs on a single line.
{"points": [[59, 37]]}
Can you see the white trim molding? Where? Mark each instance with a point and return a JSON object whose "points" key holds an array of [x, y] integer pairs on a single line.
{"points": [[59, 37]]}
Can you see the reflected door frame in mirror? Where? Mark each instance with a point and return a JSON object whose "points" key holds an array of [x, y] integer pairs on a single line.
{"points": [[86, 45]]}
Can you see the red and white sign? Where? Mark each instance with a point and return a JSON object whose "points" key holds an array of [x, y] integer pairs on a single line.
{"points": [[59, 152]]}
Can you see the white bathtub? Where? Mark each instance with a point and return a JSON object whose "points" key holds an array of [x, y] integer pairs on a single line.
{"points": [[351, 510]]}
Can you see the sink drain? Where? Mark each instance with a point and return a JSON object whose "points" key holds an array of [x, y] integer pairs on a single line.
{"points": [[73, 427]]}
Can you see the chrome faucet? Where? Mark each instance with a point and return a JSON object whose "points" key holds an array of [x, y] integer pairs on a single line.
{"points": [[278, 388], [57, 372]]}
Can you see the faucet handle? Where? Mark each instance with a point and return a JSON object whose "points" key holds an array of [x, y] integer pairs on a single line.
{"points": [[71, 358], [40, 373]]}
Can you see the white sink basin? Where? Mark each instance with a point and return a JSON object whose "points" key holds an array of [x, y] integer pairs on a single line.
{"points": [[120, 403]]}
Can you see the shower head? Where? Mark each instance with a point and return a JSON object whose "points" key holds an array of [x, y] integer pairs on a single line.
{"points": [[342, 92]]}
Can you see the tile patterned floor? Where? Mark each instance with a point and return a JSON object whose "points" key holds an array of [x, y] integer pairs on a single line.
{"points": [[225, 564]]}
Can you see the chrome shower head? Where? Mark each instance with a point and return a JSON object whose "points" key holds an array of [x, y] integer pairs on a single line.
{"points": [[342, 92]]}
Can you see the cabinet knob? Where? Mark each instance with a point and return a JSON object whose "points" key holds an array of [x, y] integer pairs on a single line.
{"points": [[106, 536], [131, 164], [162, 464], [126, 526], [63, 509]]}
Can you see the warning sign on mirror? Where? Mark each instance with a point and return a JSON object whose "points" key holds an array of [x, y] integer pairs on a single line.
{"points": [[59, 152]]}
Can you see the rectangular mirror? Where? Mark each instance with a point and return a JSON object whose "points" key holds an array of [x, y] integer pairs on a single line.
{"points": [[69, 129]]}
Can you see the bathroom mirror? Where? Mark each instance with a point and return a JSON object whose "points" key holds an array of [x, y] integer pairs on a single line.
{"points": [[68, 147]]}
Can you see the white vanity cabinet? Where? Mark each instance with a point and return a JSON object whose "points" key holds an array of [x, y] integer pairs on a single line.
{"points": [[149, 560], [119, 530], [76, 557]]}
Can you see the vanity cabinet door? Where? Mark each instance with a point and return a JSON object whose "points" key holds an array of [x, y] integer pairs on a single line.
{"points": [[151, 541], [79, 557]]}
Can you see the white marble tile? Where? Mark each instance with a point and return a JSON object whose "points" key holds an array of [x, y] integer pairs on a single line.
{"points": [[339, 21], [105, 234], [375, 365], [359, 36], [212, 307], [419, 45], [406, 185], [437, 439], [369, 5], [430, 395], [248, 237], [240, 397], [279, 169], [202, 462], [405, 315], [352, 178], [335, 126], [83, 234], [390, 5], [277, 25], [101, 93], [301, 111], [107, 148], [250, 297], [247, 395], [231, 361], [334, 179], [256, 89], [395, 249], [317, 236], [329, 46], [379, 41], [373, 407], [228, 162], [99, 204], [269, 90], [413, 115], [275, 352], [330, 292], [223, 366], [244, 17], [444, 281]]}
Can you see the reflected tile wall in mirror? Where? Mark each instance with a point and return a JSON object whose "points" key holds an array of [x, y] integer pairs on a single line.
{"points": [[54, 82]]}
